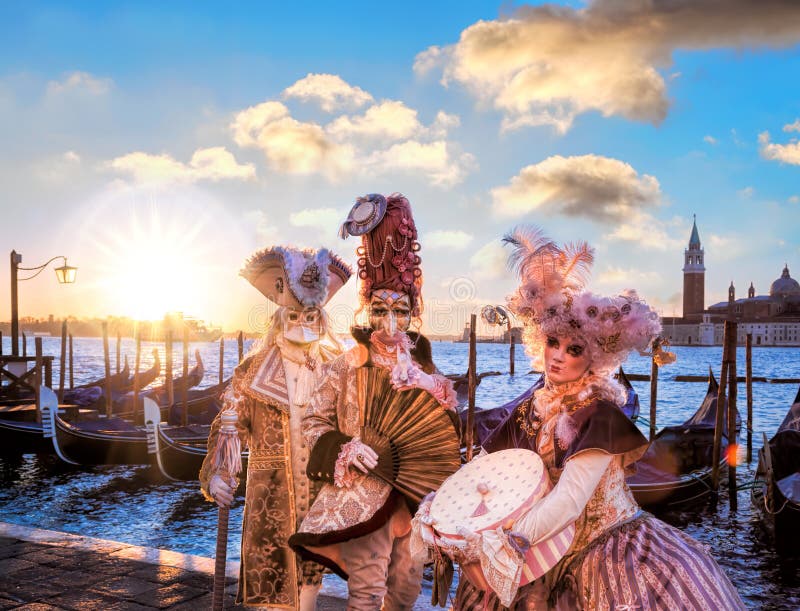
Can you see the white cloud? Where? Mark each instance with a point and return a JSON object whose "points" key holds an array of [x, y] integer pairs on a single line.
{"points": [[57, 168], [330, 91], [433, 160], [616, 278], [324, 219], [429, 59], [785, 153], [248, 123], [792, 127], [794, 199], [546, 64], [213, 164], [447, 240], [354, 145], [725, 248], [591, 186], [289, 145], [80, 81], [443, 123], [650, 233], [266, 231], [746, 193], [389, 119], [710, 140], [489, 261]]}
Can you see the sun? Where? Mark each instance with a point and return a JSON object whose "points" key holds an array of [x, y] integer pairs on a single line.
{"points": [[154, 258]]}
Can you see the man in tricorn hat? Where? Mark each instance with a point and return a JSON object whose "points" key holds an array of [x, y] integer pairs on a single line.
{"points": [[359, 525], [270, 392]]}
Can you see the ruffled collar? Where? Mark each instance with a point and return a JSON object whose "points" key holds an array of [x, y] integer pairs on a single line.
{"points": [[552, 399]]}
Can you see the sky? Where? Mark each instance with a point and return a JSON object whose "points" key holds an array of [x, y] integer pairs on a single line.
{"points": [[157, 145]]}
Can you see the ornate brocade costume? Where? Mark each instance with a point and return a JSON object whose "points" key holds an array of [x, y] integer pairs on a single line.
{"points": [[620, 557], [345, 513], [278, 493]]}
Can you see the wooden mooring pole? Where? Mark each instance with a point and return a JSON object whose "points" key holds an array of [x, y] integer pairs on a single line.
{"points": [[733, 445], [1, 343], [721, 402], [748, 348], [472, 380], [71, 368], [24, 344], [168, 369], [654, 388], [62, 366], [221, 357], [511, 351], [119, 343], [107, 362], [185, 385], [136, 380], [240, 343], [37, 341]]}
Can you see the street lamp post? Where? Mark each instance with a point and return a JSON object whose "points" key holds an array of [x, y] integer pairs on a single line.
{"points": [[65, 275]]}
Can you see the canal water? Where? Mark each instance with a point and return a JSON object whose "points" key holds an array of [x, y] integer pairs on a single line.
{"points": [[135, 505]]}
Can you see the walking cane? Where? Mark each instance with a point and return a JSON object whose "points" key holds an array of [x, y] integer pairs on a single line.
{"points": [[227, 463]]}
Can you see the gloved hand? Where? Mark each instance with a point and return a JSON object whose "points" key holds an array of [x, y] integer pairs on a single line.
{"points": [[362, 457], [221, 491], [423, 516]]}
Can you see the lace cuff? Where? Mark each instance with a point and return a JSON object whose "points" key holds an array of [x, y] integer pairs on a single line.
{"points": [[502, 561], [343, 475], [443, 391]]}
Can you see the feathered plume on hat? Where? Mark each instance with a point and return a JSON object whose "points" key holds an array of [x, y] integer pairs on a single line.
{"points": [[298, 278], [551, 301]]}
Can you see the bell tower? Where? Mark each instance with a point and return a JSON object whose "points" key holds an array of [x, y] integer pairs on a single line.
{"points": [[694, 277]]}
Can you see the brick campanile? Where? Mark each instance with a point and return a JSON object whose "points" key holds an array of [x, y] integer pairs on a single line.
{"points": [[694, 277]]}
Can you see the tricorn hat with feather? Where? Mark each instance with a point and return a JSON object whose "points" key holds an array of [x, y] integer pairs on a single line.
{"points": [[296, 278], [551, 300]]}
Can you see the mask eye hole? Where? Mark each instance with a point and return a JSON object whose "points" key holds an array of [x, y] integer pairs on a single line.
{"points": [[552, 342], [379, 312], [575, 350], [311, 316], [293, 316]]}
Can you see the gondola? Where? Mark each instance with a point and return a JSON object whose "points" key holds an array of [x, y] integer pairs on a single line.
{"points": [[178, 460], [123, 404], [85, 395], [20, 433], [107, 441], [776, 494], [676, 469]]}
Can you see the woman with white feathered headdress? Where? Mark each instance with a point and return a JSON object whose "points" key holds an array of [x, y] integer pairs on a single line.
{"points": [[621, 557]]}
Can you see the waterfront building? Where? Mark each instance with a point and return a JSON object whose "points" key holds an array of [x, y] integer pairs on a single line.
{"points": [[773, 319]]}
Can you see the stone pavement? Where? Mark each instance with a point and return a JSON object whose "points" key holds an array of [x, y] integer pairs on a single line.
{"points": [[43, 570]]}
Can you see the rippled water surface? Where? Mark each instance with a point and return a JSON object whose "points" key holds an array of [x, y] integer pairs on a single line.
{"points": [[133, 504]]}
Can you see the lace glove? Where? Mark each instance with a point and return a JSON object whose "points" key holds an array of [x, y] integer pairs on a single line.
{"points": [[221, 491], [354, 456], [423, 519]]}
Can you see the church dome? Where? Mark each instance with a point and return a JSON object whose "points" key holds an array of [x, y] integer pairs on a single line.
{"points": [[785, 286]]}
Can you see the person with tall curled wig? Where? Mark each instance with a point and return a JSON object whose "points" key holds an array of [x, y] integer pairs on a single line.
{"points": [[621, 557], [359, 526]]}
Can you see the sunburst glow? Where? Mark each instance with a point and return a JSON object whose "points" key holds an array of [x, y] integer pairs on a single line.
{"points": [[155, 259]]}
